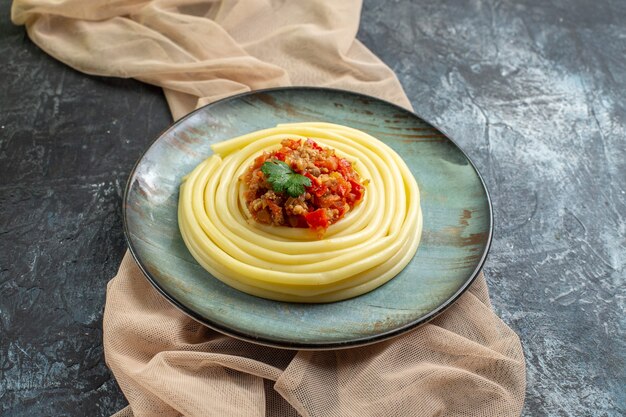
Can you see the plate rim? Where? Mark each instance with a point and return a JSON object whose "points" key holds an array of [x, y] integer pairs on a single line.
{"points": [[355, 342]]}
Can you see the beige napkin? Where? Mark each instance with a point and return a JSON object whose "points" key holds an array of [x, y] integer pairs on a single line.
{"points": [[466, 362]]}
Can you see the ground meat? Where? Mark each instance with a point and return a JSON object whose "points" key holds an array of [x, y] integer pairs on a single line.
{"points": [[335, 188]]}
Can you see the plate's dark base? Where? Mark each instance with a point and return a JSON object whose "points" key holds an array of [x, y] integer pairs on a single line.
{"points": [[454, 200]]}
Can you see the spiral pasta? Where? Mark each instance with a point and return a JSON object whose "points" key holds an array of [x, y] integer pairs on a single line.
{"points": [[365, 249]]}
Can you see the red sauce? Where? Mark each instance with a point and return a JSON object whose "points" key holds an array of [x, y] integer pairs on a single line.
{"points": [[336, 187]]}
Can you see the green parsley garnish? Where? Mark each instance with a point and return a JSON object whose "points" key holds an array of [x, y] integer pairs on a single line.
{"points": [[283, 179]]}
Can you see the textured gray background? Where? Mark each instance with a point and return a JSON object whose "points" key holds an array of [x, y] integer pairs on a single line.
{"points": [[534, 91]]}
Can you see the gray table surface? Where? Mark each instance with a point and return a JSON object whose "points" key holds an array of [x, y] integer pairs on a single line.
{"points": [[533, 90]]}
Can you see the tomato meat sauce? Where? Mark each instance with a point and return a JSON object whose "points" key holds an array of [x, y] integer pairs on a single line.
{"points": [[335, 188]]}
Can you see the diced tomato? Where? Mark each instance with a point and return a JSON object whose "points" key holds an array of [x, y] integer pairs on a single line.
{"points": [[328, 201], [317, 188], [291, 143], [344, 168], [343, 187], [281, 155], [344, 209], [357, 190], [314, 145], [331, 163], [261, 159], [314, 180], [317, 219]]}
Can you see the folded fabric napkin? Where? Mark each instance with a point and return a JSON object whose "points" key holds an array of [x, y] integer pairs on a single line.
{"points": [[465, 362]]}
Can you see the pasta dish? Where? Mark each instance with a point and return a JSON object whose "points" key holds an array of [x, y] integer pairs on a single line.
{"points": [[302, 212]]}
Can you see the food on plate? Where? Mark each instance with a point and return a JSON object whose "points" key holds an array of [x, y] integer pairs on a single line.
{"points": [[302, 212], [301, 184]]}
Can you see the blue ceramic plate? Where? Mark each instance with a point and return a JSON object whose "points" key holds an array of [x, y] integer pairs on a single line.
{"points": [[454, 200]]}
